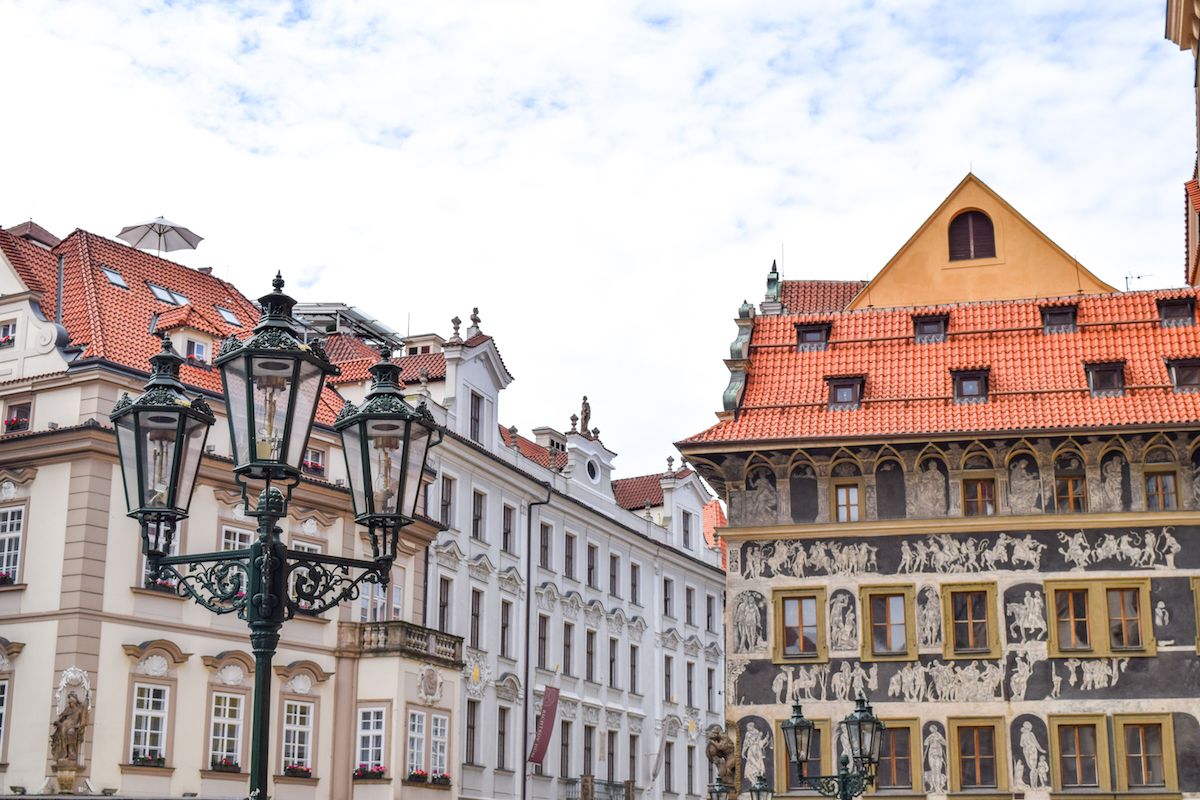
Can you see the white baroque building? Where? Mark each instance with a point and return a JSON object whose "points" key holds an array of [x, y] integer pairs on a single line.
{"points": [[556, 574]]}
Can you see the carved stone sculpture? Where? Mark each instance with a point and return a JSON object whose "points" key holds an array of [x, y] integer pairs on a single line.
{"points": [[69, 728], [935, 757], [721, 752]]}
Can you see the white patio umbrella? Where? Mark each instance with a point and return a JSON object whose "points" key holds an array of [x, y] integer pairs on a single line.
{"points": [[161, 235]]}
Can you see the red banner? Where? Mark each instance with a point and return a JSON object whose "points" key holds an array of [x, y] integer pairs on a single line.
{"points": [[545, 727]]}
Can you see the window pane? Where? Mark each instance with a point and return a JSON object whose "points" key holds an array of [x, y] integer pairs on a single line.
{"points": [[895, 759], [1071, 612], [1124, 617], [1143, 752]]}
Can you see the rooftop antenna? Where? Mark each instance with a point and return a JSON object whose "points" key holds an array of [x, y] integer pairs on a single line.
{"points": [[781, 262], [1129, 277], [408, 328]]}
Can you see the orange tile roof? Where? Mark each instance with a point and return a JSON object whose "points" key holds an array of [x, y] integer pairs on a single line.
{"points": [[818, 297], [640, 491], [714, 517], [355, 357], [1191, 209], [1036, 380], [533, 451], [117, 324]]}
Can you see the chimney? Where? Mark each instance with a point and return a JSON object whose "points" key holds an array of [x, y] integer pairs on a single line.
{"points": [[204, 270]]}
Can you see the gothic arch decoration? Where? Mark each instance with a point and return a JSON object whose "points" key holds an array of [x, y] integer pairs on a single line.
{"points": [[802, 489], [758, 502], [1113, 491], [844, 464], [931, 486], [1024, 480], [976, 456], [891, 491], [1161, 440], [1071, 445]]}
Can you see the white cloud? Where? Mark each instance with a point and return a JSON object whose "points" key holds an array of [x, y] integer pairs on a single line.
{"points": [[606, 181]]}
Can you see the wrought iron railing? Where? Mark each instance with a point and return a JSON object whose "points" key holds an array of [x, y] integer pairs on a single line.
{"points": [[604, 790]]}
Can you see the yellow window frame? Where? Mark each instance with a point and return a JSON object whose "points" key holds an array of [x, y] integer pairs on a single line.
{"points": [[916, 765], [1103, 768], [777, 655], [1170, 768], [865, 593], [992, 650], [1098, 627], [1000, 738]]}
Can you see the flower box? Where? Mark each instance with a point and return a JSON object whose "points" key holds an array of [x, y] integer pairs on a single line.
{"points": [[297, 771], [149, 761], [7, 341], [162, 585], [225, 765], [440, 779], [314, 468], [418, 776], [15, 424], [7, 578], [364, 773]]}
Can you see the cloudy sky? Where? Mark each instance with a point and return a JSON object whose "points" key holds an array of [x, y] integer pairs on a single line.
{"points": [[606, 181]]}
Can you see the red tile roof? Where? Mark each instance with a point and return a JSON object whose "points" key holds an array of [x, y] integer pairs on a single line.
{"points": [[1036, 380], [355, 357], [533, 451], [116, 323], [640, 491], [818, 297], [1191, 209], [31, 230], [714, 517]]}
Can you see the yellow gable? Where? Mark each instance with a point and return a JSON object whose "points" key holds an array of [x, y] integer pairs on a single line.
{"points": [[1026, 263]]}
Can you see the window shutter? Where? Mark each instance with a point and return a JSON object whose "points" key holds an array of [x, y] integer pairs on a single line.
{"points": [[972, 236], [960, 238]]}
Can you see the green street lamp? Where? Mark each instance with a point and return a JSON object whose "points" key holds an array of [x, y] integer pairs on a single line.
{"points": [[272, 384], [761, 790], [718, 790], [863, 730]]}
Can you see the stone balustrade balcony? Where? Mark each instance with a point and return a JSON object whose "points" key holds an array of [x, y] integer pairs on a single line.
{"points": [[400, 638]]}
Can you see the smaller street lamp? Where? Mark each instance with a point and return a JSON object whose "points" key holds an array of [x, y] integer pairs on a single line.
{"points": [[718, 790], [797, 734], [761, 790], [865, 733]]}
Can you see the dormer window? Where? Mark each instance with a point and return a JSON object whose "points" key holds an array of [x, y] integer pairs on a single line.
{"points": [[1177, 313], [845, 393], [972, 236], [1106, 380], [930, 329], [971, 386], [8, 333], [196, 352], [813, 337], [314, 462], [1059, 319], [1185, 374]]}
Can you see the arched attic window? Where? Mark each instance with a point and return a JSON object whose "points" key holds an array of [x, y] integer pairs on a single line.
{"points": [[972, 236]]}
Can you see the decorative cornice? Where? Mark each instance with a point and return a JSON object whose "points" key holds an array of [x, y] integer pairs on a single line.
{"points": [[480, 567], [448, 554], [245, 660], [18, 475], [323, 518], [303, 665], [169, 648]]}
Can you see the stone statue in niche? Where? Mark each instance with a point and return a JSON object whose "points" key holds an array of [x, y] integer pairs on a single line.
{"points": [[1024, 486], [759, 504], [1111, 494], [1028, 617], [843, 622], [754, 753], [929, 624], [935, 759], [721, 752], [748, 627], [66, 739], [929, 498]]}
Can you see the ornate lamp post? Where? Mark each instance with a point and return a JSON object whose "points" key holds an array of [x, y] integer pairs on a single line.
{"points": [[865, 734], [272, 383]]}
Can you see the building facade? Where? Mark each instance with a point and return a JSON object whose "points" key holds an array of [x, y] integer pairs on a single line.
{"points": [[973, 501], [556, 574]]}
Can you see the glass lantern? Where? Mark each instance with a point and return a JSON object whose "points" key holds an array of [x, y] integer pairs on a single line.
{"points": [[797, 734], [865, 733], [272, 382]]}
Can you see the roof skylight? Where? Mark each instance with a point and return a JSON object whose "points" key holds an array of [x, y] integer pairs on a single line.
{"points": [[114, 277], [228, 316], [167, 296]]}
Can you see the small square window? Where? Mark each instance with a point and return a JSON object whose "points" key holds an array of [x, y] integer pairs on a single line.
{"points": [[16, 419], [1185, 375], [1177, 313], [1059, 319], [845, 393], [812, 337], [1106, 380], [314, 462], [930, 329], [228, 316], [197, 352], [971, 387], [114, 277]]}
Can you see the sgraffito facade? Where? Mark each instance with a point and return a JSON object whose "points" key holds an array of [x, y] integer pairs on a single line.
{"points": [[982, 516]]}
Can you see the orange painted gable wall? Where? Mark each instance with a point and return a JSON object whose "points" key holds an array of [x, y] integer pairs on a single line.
{"points": [[1027, 263]]}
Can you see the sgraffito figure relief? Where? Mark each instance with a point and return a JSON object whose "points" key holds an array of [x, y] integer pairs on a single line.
{"points": [[754, 753], [973, 682], [943, 553], [1031, 766], [1095, 673], [796, 683], [1024, 486], [929, 491], [1150, 548], [929, 618], [1028, 617], [794, 560], [758, 503], [843, 622], [935, 759], [749, 622]]}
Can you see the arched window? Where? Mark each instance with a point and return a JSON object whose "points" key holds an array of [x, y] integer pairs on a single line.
{"points": [[972, 236]]}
